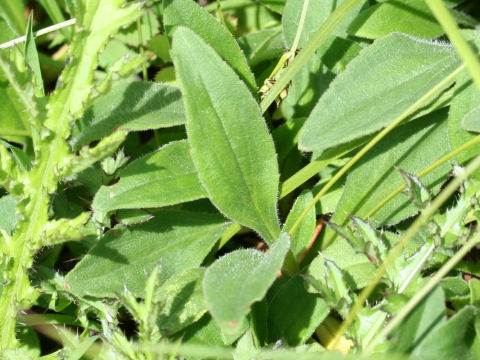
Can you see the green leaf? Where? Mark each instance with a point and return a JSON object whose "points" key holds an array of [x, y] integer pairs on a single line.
{"points": [[357, 266], [399, 81], [451, 340], [471, 121], [262, 45], [411, 17], [13, 13], [317, 13], [188, 13], [427, 315], [31, 55], [164, 177], [178, 240], [12, 115], [237, 280], [411, 147], [275, 5], [302, 236], [182, 301], [294, 313], [230, 143], [130, 106], [8, 216]]}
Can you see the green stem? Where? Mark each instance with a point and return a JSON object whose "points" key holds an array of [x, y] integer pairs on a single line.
{"points": [[318, 38], [407, 236], [453, 32], [142, 50], [375, 141], [424, 291]]}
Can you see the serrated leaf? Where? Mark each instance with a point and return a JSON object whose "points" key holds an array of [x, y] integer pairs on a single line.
{"points": [[357, 266], [223, 123], [164, 177], [188, 13], [131, 106], [237, 280], [411, 17], [330, 281], [415, 68], [182, 301], [294, 313], [415, 189], [412, 147], [178, 240]]}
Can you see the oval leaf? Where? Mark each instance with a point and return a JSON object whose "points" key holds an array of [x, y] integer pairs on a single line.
{"points": [[230, 143], [178, 240], [237, 280], [165, 177], [377, 87]]}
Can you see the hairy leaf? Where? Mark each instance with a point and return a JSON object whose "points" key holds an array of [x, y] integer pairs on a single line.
{"points": [[411, 17], [397, 69], [188, 13], [130, 106], [237, 280], [230, 143], [294, 313], [182, 300], [178, 240], [162, 178], [412, 147]]}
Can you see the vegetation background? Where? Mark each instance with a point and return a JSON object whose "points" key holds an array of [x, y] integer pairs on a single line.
{"points": [[239, 179]]}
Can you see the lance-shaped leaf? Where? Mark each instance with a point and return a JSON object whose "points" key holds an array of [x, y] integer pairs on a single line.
{"points": [[188, 13], [397, 69], [230, 143], [162, 178], [131, 106], [239, 279], [178, 240]]}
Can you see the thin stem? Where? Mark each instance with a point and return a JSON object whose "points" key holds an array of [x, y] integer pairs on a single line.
{"points": [[424, 291], [407, 236], [300, 26], [453, 32], [142, 50], [424, 172], [318, 38], [375, 141], [40, 32]]}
